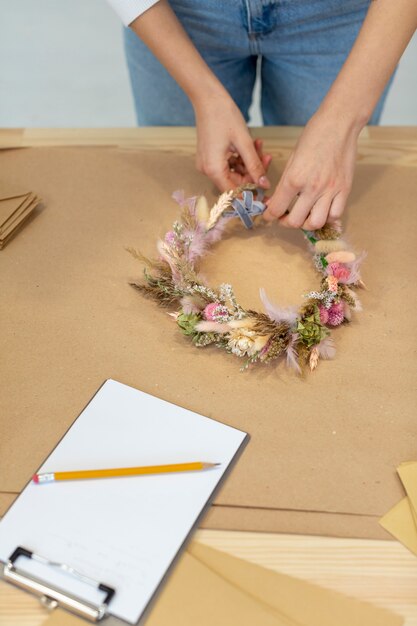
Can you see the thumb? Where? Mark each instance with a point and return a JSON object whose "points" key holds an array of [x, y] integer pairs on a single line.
{"points": [[253, 163]]}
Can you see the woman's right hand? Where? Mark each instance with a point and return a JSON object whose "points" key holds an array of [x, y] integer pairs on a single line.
{"points": [[226, 152]]}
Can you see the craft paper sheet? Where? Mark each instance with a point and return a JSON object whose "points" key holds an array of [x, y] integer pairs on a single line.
{"points": [[124, 532], [349, 425]]}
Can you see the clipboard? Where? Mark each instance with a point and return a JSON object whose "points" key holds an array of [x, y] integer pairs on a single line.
{"points": [[102, 548]]}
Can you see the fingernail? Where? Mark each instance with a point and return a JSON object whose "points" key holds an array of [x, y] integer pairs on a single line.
{"points": [[264, 182]]}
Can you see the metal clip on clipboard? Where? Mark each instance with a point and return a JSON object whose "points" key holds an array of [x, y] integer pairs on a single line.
{"points": [[52, 597]]}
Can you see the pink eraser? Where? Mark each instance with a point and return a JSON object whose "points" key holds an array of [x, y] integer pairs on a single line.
{"points": [[35, 478]]}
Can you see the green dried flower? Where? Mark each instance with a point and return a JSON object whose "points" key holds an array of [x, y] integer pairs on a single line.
{"points": [[310, 329], [187, 322]]}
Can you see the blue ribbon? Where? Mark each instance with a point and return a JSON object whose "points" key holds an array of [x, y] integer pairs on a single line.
{"points": [[247, 208]]}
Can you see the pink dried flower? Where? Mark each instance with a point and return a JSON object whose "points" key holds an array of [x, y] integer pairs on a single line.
{"points": [[215, 234], [179, 196], [336, 314], [324, 314], [198, 244], [214, 311], [338, 270], [170, 237], [332, 282], [200, 239], [209, 311]]}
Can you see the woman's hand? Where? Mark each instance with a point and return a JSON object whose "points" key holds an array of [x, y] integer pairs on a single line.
{"points": [[226, 152], [319, 173], [318, 176]]}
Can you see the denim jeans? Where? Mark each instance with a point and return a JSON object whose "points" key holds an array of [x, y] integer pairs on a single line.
{"points": [[300, 46]]}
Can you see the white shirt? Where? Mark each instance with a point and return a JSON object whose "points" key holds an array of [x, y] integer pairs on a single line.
{"points": [[129, 10]]}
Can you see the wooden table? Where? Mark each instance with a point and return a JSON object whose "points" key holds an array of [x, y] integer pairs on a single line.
{"points": [[382, 572]]}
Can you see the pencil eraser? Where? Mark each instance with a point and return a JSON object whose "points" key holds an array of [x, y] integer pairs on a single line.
{"points": [[35, 478]]}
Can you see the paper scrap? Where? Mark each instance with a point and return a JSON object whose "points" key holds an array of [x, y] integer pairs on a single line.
{"points": [[408, 474], [15, 208], [302, 602], [399, 521]]}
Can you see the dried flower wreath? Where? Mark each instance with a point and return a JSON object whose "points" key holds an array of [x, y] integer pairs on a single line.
{"points": [[214, 317]]}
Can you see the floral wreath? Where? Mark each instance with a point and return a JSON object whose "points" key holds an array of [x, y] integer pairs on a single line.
{"points": [[214, 317]]}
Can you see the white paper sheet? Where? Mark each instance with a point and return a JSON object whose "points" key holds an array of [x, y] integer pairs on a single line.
{"points": [[124, 532]]}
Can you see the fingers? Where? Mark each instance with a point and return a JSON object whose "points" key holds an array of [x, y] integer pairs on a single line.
{"points": [[235, 170], [338, 206], [299, 212], [237, 164], [308, 207], [222, 177], [253, 162], [265, 158], [311, 214], [319, 213], [280, 201]]}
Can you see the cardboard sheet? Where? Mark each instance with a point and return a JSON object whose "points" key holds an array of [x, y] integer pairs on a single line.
{"points": [[6, 500], [210, 587], [19, 215], [16, 206], [408, 473], [299, 522], [9, 207], [401, 520], [269, 520], [326, 444]]}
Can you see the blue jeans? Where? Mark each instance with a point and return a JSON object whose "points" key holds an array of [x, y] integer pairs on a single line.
{"points": [[301, 46]]}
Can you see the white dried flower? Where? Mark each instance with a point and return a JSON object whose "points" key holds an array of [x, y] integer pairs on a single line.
{"points": [[245, 342]]}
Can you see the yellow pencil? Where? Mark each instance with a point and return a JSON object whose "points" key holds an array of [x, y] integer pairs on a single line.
{"points": [[49, 477]]}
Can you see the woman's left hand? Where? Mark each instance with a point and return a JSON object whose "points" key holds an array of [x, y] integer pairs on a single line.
{"points": [[317, 179]]}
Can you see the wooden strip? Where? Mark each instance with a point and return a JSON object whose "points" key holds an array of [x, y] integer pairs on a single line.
{"points": [[396, 145], [382, 572]]}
